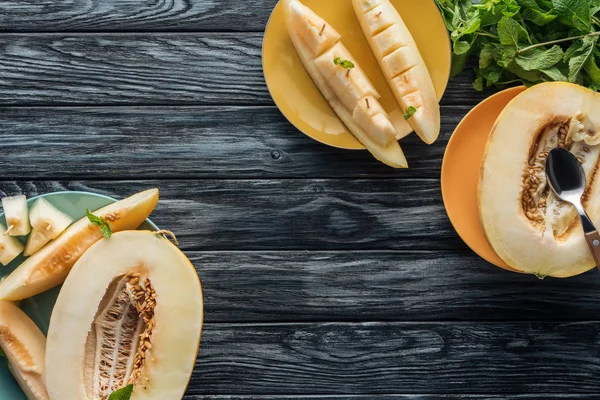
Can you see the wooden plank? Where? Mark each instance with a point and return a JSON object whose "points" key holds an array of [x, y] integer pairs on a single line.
{"points": [[383, 286], [189, 142], [146, 69], [461, 396], [372, 359], [142, 15], [286, 214]]}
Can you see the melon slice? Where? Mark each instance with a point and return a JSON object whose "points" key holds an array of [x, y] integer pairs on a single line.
{"points": [[526, 224], [47, 222], [348, 91], [50, 266], [402, 64], [16, 213], [10, 247], [130, 312], [25, 346]]}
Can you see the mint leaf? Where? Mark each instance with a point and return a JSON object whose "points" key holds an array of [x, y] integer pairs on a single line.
{"points": [[511, 32], [343, 63], [478, 84], [555, 74], [540, 58], [580, 56], [461, 47], [99, 222], [538, 17], [575, 13], [592, 70], [410, 111], [122, 394]]}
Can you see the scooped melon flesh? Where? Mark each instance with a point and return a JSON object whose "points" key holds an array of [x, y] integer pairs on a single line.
{"points": [[25, 346], [526, 224], [50, 266], [130, 311]]}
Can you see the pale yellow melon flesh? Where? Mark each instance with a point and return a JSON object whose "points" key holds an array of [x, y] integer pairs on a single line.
{"points": [[16, 213], [50, 266], [25, 347], [10, 247], [526, 224], [317, 45], [47, 222], [96, 330], [401, 63]]}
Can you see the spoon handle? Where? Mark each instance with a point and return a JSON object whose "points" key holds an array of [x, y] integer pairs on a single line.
{"points": [[593, 241]]}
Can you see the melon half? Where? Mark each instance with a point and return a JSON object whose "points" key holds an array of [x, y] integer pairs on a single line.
{"points": [[525, 223], [130, 312]]}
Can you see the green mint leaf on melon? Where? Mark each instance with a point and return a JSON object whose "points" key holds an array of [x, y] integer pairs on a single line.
{"points": [[122, 394], [99, 222], [343, 63], [410, 111]]}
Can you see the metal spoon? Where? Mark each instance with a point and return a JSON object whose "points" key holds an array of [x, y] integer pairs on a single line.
{"points": [[567, 179]]}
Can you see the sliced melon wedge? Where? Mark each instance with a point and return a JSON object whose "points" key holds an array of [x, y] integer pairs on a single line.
{"points": [[402, 64], [25, 347], [50, 266], [16, 213], [526, 224], [130, 311], [348, 91], [47, 222], [10, 247]]}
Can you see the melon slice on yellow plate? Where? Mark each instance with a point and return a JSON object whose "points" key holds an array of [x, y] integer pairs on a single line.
{"points": [[526, 224], [347, 89], [402, 64]]}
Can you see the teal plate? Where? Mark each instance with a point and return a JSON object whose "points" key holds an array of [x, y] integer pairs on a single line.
{"points": [[40, 307]]}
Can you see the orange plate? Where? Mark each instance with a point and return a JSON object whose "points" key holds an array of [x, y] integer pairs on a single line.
{"points": [[299, 99], [460, 172]]}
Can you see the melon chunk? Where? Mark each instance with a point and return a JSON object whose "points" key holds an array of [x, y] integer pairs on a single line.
{"points": [[49, 266], [402, 64], [344, 89], [526, 224], [25, 347], [10, 247], [130, 312], [16, 213], [47, 222]]}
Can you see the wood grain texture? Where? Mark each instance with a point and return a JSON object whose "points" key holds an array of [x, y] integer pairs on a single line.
{"points": [[146, 69], [134, 15], [286, 214], [461, 396], [383, 286], [374, 358], [189, 142]]}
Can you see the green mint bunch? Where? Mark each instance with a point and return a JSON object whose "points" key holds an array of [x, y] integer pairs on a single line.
{"points": [[525, 41]]}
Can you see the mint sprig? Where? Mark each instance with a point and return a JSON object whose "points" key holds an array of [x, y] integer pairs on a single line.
{"points": [[100, 223], [410, 111], [122, 394], [346, 64], [525, 41]]}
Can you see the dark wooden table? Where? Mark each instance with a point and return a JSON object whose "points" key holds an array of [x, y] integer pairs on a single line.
{"points": [[326, 275]]}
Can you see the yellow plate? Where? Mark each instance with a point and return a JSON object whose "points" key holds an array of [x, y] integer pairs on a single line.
{"points": [[297, 96], [460, 172]]}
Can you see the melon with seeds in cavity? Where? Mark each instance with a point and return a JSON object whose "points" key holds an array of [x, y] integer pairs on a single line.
{"points": [[130, 312], [526, 224]]}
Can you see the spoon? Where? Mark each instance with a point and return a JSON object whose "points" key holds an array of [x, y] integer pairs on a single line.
{"points": [[567, 179]]}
